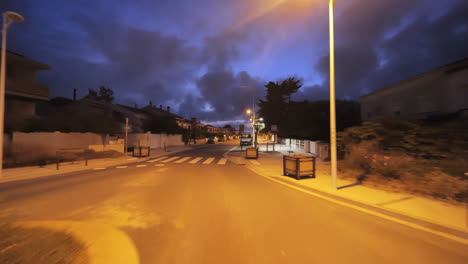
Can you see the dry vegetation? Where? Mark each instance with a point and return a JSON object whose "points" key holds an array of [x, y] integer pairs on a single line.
{"points": [[422, 159]]}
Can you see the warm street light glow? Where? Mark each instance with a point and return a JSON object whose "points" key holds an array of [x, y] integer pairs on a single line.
{"points": [[248, 111]]}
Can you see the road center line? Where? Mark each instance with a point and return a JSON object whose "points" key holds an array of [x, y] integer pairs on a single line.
{"points": [[122, 167], [208, 161], [141, 166], [159, 165], [195, 160], [183, 160]]}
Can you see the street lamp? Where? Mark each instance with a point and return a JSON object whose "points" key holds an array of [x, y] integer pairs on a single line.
{"points": [[331, 5], [8, 19]]}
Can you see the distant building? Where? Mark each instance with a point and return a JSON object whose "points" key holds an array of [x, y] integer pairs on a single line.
{"points": [[440, 91], [22, 93], [181, 122]]}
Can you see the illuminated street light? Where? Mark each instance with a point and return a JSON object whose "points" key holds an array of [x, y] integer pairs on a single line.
{"points": [[8, 19], [248, 111]]}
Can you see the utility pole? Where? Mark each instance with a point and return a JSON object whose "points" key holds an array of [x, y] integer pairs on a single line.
{"points": [[126, 136]]}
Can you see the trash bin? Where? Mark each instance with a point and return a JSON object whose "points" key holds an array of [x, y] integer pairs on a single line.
{"points": [[299, 166], [251, 153]]}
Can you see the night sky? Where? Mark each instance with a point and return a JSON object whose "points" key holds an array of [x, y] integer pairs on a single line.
{"points": [[196, 55]]}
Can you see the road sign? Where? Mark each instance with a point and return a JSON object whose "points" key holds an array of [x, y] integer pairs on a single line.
{"points": [[274, 128]]}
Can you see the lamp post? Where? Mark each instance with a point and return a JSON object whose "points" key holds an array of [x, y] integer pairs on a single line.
{"points": [[8, 19], [331, 4]]}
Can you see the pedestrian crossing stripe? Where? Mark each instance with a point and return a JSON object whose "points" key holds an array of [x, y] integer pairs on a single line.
{"points": [[158, 159], [195, 160], [222, 161], [183, 160], [158, 165], [208, 161], [141, 166], [170, 159]]}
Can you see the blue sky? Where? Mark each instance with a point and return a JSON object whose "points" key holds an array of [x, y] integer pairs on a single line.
{"points": [[195, 55]]}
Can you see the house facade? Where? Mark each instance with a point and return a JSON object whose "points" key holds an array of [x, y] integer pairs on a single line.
{"points": [[22, 92], [441, 91]]}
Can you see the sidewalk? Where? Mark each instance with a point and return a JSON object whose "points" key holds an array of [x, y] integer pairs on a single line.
{"points": [[23, 173], [270, 164]]}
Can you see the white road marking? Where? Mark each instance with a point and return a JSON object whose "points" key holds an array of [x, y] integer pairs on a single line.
{"points": [[141, 166], [182, 160], [132, 159], [122, 167], [222, 161], [170, 159], [208, 161], [159, 165], [254, 162], [160, 158], [195, 160], [99, 168]]}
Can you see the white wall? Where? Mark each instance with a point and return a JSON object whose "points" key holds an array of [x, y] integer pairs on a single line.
{"points": [[154, 140], [30, 146]]}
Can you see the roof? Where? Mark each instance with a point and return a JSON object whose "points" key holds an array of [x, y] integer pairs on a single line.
{"points": [[447, 68], [22, 59]]}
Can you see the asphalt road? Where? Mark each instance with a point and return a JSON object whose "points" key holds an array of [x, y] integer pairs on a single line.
{"points": [[220, 213]]}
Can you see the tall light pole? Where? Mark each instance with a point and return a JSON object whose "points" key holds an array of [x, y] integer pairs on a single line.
{"points": [[8, 19], [331, 4]]}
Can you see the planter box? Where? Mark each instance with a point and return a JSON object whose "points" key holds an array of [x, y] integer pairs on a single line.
{"points": [[251, 153], [299, 166], [141, 151]]}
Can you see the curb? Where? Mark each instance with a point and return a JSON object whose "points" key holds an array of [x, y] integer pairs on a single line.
{"points": [[445, 231], [103, 243]]}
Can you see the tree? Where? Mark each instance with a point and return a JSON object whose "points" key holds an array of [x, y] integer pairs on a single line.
{"points": [[105, 94], [274, 109]]}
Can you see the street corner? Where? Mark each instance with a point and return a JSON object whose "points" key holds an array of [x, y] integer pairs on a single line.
{"points": [[100, 243]]}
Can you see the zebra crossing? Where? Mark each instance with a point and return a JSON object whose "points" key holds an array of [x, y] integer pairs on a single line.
{"points": [[189, 160]]}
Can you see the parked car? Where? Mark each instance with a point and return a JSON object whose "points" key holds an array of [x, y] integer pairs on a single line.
{"points": [[246, 140], [211, 140]]}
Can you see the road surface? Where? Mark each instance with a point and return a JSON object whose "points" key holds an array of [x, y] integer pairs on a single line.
{"points": [[197, 207]]}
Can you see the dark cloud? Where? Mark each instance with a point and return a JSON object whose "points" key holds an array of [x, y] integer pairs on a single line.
{"points": [[191, 54], [367, 58], [225, 94]]}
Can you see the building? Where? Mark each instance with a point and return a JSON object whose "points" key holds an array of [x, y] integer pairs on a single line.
{"points": [[441, 91], [22, 93], [154, 111]]}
